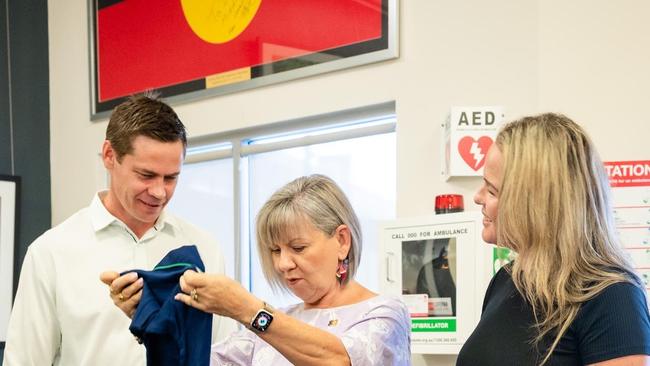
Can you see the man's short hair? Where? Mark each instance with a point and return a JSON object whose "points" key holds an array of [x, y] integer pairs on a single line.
{"points": [[143, 115]]}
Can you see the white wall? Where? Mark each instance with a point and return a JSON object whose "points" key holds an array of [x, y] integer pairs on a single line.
{"points": [[585, 58], [594, 66]]}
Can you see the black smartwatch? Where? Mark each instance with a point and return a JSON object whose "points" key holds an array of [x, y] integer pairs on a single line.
{"points": [[262, 319]]}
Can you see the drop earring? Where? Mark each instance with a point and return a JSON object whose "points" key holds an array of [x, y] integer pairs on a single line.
{"points": [[342, 271]]}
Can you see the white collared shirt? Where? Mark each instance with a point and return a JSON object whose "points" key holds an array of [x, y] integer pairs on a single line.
{"points": [[63, 314]]}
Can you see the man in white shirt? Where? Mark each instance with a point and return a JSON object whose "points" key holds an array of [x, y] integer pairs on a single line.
{"points": [[62, 314]]}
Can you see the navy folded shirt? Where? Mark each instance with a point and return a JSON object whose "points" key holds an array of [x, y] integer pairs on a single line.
{"points": [[173, 333]]}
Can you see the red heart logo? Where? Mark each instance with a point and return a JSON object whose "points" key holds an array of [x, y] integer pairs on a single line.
{"points": [[474, 151]]}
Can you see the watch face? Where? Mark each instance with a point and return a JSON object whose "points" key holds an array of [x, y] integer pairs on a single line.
{"points": [[262, 321]]}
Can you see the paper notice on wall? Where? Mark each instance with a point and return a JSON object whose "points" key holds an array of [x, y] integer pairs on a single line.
{"points": [[630, 182], [469, 133]]}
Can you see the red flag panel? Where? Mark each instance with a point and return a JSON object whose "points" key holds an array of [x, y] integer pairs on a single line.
{"points": [[149, 45]]}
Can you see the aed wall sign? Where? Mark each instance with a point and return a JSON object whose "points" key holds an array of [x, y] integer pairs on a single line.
{"points": [[469, 133]]}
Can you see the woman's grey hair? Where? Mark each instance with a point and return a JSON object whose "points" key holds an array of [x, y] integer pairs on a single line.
{"points": [[316, 198]]}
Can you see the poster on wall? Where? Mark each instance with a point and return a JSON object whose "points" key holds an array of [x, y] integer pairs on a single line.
{"points": [[630, 182], [189, 48], [8, 224], [440, 267]]}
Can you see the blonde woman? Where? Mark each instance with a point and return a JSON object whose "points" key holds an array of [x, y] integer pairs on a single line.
{"points": [[570, 297], [309, 242]]}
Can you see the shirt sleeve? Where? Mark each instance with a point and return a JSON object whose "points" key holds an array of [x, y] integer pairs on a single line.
{"points": [[33, 334], [237, 349], [614, 324], [381, 337]]}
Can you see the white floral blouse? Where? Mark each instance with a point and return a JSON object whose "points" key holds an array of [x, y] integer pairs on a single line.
{"points": [[374, 332]]}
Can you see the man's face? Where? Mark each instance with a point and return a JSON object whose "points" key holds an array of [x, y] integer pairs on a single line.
{"points": [[143, 182]]}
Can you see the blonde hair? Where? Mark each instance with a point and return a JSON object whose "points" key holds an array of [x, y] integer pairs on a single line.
{"points": [[555, 212], [320, 201]]}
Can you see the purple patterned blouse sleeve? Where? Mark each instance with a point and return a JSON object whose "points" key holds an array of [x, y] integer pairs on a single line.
{"points": [[236, 349], [381, 336], [374, 332]]}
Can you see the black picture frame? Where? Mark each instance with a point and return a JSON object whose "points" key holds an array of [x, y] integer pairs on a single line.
{"points": [[349, 55], [9, 224]]}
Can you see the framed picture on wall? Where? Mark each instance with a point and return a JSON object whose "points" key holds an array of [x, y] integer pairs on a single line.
{"points": [[9, 190], [191, 48]]}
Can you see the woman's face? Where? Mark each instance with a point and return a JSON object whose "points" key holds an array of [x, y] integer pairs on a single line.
{"points": [[488, 195], [308, 260]]}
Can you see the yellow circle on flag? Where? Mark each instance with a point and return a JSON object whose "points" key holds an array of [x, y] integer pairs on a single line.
{"points": [[219, 21]]}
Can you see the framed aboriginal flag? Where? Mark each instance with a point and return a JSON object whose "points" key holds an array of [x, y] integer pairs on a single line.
{"points": [[191, 48]]}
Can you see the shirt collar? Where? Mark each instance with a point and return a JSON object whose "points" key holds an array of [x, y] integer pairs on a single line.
{"points": [[101, 218]]}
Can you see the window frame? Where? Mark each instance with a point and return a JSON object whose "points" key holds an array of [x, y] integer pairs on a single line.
{"points": [[241, 143]]}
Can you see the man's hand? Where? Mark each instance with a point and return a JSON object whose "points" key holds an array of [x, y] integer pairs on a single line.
{"points": [[125, 291]]}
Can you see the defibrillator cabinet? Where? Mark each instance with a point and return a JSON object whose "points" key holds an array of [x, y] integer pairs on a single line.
{"points": [[440, 267]]}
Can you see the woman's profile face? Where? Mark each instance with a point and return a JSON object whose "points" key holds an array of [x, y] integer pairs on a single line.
{"points": [[488, 195], [308, 259]]}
